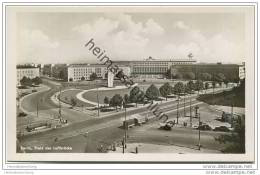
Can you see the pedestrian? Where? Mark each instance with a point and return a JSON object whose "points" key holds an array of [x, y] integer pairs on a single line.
{"points": [[136, 150]]}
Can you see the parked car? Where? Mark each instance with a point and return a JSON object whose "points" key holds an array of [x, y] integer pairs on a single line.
{"points": [[221, 128], [22, 114], [204, 127]]}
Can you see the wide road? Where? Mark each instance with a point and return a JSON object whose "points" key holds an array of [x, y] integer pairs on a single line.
{"points": [[93, 126], [29, 102]]}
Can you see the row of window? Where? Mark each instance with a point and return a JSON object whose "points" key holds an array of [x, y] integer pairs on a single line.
{"points": [[152, 63], [150, 69]]}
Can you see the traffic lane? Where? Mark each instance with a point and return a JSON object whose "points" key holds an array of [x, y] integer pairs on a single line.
{"points": [[47, 137], [42, 98], [172, 113], [181, 105], [79, 125], [177, 136], [91, 141]]}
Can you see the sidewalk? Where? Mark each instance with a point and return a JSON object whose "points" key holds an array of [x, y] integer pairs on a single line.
{"points": [[154, 148]]}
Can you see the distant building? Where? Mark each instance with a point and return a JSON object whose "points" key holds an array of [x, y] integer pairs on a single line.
{"points": [[29, 72], [153, 68], [242, 71], [76, 72]]}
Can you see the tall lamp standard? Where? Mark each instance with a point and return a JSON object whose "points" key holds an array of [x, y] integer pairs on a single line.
{"points": [[125, 128], [198, 115], [184, 111], [60, 104], [232, 110], [190, 111], [97, 98], [37, 107], [178, 109]]}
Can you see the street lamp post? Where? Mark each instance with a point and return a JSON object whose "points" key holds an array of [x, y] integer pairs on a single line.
{"points": [[60, 104], [37, 109], [190, 112], [126, 125], [198, 115], [184, 105], [97, 99], [86, 136], [178, 110], [199, 131], [125, 129]]}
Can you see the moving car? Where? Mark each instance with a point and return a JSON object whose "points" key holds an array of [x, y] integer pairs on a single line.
{"points": [[204, 127], [221, 128]]}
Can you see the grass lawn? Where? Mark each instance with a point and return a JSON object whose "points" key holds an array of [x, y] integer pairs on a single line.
{"points": [[92, 95], [69, 94]]}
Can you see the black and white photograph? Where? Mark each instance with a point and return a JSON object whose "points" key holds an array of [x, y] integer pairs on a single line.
{"points": [[168, 82]]}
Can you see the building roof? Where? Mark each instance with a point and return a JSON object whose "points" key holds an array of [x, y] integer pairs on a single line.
{"points": [[25, 67], [207, 64], [94, 65]]}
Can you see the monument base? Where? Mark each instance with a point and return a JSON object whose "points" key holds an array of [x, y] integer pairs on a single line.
{"points": [[110, 79]]}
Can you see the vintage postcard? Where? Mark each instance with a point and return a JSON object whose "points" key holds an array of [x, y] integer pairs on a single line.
{"points": [[130, 83]]}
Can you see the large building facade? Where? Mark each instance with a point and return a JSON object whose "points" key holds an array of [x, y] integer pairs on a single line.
{"points": [[232, 72], [29, 72], [78, 72], [242, 71], [153, 68]]}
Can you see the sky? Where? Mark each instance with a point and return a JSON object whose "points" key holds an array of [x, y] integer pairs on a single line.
{"points": [[59, 37]]}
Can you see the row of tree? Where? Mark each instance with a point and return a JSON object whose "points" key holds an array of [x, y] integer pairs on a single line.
{"points": [[26, 81], [219, 77], [153, 93]]}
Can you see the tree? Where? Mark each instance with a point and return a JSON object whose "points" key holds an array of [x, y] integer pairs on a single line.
{"points": [[37, 80], [63, 75], [120, 74], [213, 86], [206, 85], [165, 90], [134, 94], [106, 100], [236, 141], [190, 86], [82, 78], [206, 76], [178, 88], [179, 75], [141, 97], [170, 74], [220, 77], [26, 81], [73, 102], [70, 79], [189, 76], [116, 101], [93, 76], [152, 93], [226, 82], [126, 98], [199, 85]]}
